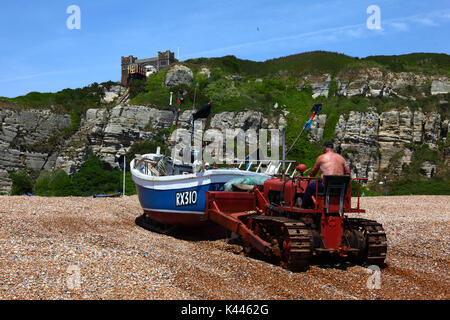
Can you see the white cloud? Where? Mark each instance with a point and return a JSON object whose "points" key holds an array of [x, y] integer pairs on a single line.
{"points": [[355, 33], [426, 22], [35, 75], [399, 26], [323, 35]]}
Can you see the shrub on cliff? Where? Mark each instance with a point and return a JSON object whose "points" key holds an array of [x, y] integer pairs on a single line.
{"points": [[56, 183], [136, 87], [21, 183], [65, 100], [41, 187], [94, 177], [60, 184]]}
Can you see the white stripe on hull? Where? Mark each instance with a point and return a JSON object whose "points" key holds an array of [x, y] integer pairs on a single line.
{"points": [[174, 211]]}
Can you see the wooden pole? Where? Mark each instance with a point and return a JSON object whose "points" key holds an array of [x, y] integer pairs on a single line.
{"points": [[124, 170]]}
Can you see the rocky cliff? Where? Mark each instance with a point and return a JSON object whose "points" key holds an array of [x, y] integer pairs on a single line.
{"points": [[374, 82], [24, 136], [369, 140]]}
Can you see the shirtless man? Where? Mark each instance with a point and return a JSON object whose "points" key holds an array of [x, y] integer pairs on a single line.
{"points": [[329, 163]]}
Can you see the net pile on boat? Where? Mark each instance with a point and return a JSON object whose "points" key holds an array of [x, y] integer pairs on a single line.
{"points": [[245, 180]]}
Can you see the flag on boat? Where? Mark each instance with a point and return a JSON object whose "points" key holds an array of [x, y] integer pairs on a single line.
{"points": [[203, 112]]}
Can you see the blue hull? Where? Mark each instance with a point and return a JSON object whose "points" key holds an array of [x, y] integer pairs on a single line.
{"points": [[187, 200], [179, 199]]}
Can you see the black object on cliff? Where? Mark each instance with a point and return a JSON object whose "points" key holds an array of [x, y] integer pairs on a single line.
{"points": [[203, 112]]}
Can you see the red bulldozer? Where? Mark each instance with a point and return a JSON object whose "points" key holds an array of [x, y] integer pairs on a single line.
{"points": [[271, 221]]}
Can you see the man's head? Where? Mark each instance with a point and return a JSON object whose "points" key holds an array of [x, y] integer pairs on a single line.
{"points": [[327, 145]]}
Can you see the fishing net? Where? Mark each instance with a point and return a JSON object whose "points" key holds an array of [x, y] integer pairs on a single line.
{"points": [[247, 180]]}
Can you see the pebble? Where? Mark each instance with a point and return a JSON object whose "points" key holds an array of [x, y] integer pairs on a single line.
{"points": [[90, 248]]}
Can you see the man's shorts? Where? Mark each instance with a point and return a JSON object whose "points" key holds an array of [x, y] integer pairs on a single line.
{"points": [[307, 202]]}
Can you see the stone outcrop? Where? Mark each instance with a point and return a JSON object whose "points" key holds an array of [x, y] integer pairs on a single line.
{"points": [[5, 182], [440, 85], [428, 169], [317, 128], [23, 133], [374, 142], [110, 133], [373, 82], [357, 140], [177, 75], [243, 120], [320, 84], [113, 93], [205, 71]]}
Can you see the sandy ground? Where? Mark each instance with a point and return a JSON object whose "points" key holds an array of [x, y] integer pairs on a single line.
{"points": [[86, 248]]}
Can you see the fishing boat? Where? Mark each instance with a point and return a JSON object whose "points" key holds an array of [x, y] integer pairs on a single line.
{"points": [[173, 193]]}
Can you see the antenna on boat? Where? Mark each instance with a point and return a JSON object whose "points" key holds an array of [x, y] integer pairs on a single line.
{"points": [[193, 109], [284, 150]]}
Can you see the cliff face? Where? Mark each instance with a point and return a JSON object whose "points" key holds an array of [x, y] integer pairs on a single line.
{"points": [[23, 137], [368, 140], [110, 133], [373, 82]]}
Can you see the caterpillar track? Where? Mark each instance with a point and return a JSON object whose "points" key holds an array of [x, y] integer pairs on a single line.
{"points": [[293, 244], [291, 240], [373, 247]]}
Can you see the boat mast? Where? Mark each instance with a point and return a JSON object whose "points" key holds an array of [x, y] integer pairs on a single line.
{"points": [[192, 132]]}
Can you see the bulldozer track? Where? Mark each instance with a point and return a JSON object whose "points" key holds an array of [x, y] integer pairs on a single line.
{"points": [[375, 249], [294, 241]]}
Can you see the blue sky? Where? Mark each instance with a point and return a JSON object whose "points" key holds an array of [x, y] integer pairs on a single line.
{"points": [[39, 53]]}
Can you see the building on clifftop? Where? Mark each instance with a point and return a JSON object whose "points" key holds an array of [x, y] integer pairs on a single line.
{"points": [[145, 66]]}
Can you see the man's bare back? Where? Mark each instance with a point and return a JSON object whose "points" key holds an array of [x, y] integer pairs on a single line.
{"points": [[330, 163]]}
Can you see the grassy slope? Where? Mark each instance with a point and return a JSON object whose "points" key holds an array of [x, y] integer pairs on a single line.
{"points": [[64, 101], [430, 63]]}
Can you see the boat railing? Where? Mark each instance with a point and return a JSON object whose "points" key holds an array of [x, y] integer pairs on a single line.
{"points": [[269, 167], [147, 165]]}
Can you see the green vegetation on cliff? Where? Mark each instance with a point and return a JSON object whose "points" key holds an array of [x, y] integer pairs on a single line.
{"points": [[94, 177], [64, 101], [412, 182]]}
